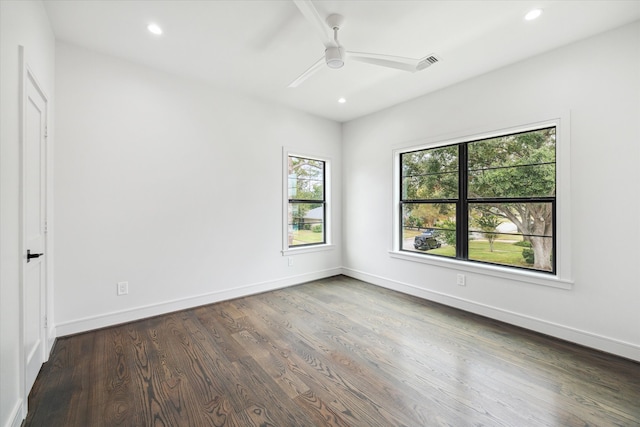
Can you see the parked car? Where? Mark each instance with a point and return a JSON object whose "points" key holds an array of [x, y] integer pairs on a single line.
{"points": [[427, 240]]}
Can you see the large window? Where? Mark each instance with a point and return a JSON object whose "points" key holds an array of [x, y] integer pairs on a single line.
{"points": [[306, 209], [489, 201]]}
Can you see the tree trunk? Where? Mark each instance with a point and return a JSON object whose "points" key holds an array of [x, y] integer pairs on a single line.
{"points": [[491, 238], [542, 248], [534, 221]]}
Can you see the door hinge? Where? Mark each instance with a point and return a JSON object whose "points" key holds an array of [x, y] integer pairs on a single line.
{"points": [[46, 227], [46, 131], [46, 322]]}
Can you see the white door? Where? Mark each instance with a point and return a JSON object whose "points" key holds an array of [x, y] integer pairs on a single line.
{"points": [[34, 223]]}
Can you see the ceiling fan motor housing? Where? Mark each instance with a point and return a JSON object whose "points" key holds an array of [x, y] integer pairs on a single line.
{"points": [[334, 57]]}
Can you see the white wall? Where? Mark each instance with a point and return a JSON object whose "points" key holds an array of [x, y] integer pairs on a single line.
{"points": [[598, 80], [21, 23], [173, 186]]}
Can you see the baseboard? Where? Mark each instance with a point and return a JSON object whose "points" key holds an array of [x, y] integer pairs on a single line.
{"points": [[577, 336], [16, 416], [51, 340], [137, 313]]}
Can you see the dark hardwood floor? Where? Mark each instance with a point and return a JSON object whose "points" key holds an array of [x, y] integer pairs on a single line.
{"points": [[336, 352]]}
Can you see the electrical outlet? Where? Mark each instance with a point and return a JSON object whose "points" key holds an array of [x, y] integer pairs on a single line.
{"points": [[123, 288], [461, 280], [290, 261]]}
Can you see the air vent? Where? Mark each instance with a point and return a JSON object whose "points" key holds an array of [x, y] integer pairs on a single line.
{"points": [[427, 62]]}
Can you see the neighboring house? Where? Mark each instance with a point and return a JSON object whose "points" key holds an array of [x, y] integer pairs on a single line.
{"points": [[314, 216], [507, 227]]}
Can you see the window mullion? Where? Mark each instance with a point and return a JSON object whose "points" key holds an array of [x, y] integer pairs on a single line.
{"points": [[462, 216]]}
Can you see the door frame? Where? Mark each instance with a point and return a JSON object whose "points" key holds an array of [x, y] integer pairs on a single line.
{"points": [[26, 75]]}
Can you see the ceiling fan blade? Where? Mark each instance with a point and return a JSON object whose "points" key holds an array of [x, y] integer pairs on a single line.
{"points": [[309, 11], [304, 76], [398, 62]]}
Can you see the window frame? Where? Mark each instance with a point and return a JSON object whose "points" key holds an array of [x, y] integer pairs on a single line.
{"points": [[561, 277], [311, 247]]}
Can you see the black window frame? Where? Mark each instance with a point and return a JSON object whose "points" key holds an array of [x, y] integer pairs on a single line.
{"points": [[323, 202], [463, 202]]}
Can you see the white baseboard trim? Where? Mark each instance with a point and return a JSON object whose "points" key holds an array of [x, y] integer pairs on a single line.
{"points": [[577, 336], [137, 313], [16, 416], [51, 340]]}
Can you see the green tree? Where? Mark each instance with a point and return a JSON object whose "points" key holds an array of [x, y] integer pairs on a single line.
{"points": [[520, 165], [447, 232], [425, 215], [430, 174], [488, 223], [306, 179]]}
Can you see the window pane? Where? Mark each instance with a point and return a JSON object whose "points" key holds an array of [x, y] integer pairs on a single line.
{"points": [[511, 150], [516, 234], [306, 223], [306, 179], [518, 181], [519, 165], [429, 227], [430, 174]]}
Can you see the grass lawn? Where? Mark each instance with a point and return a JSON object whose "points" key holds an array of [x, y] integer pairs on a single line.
{"points": [[305, 237], [504, 252]]}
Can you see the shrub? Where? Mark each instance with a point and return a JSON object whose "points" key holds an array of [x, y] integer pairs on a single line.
{"points": [[523, 243], [316, 229], [528, 256]]}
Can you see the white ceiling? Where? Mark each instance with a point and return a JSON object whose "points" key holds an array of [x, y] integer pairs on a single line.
{"points": [[259, 47]]}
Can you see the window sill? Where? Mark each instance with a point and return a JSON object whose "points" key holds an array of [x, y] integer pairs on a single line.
{"points": [[487, 270], [307, 249]]}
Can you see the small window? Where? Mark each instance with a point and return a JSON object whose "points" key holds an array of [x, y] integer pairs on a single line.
{"points": [[307, 204], [490, 200]]}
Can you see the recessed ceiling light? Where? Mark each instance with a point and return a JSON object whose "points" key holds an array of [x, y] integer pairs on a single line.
{"points": [[342, 100], [533, 14], [154, 29]]}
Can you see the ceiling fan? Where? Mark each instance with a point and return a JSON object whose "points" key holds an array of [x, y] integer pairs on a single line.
{"points": [[335, 55]]}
